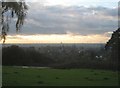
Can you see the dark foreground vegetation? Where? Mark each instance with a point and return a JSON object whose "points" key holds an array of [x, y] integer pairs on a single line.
{"points": [[67, 57], [57, 57]]}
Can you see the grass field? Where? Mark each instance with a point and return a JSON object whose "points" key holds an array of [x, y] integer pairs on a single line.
{"points": [[18, 76]]}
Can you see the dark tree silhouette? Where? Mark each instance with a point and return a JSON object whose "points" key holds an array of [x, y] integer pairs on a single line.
{"points": [[114, 42], [113, 48], [17, 9]]}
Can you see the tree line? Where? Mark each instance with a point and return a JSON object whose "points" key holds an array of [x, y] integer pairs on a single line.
{"points": [[56, 57]]}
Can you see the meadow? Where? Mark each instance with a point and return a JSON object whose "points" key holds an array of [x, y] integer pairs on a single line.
{"points": [[18, 76]]}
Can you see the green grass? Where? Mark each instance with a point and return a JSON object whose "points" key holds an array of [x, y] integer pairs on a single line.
{"points": [[18, 76]]}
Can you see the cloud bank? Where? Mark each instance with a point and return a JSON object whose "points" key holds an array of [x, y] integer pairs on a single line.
{"points": [[73, 19], [77, 21]]}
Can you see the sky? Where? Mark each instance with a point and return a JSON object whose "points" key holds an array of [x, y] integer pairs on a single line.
{"points": [[67, 21]]}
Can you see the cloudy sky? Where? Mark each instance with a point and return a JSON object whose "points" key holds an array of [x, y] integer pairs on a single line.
{"points": [[67, 21]]}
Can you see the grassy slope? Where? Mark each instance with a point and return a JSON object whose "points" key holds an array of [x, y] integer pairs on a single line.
{"points": [[17, 76]]}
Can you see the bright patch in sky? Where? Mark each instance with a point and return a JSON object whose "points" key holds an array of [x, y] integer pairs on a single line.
{"points": [[54, 38], [105, 3]]}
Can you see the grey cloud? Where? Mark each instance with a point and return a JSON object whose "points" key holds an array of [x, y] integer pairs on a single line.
{"points": [[60, 20]]}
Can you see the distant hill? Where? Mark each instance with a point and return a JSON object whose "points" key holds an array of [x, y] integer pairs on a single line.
{"points": [[89, 45]]}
